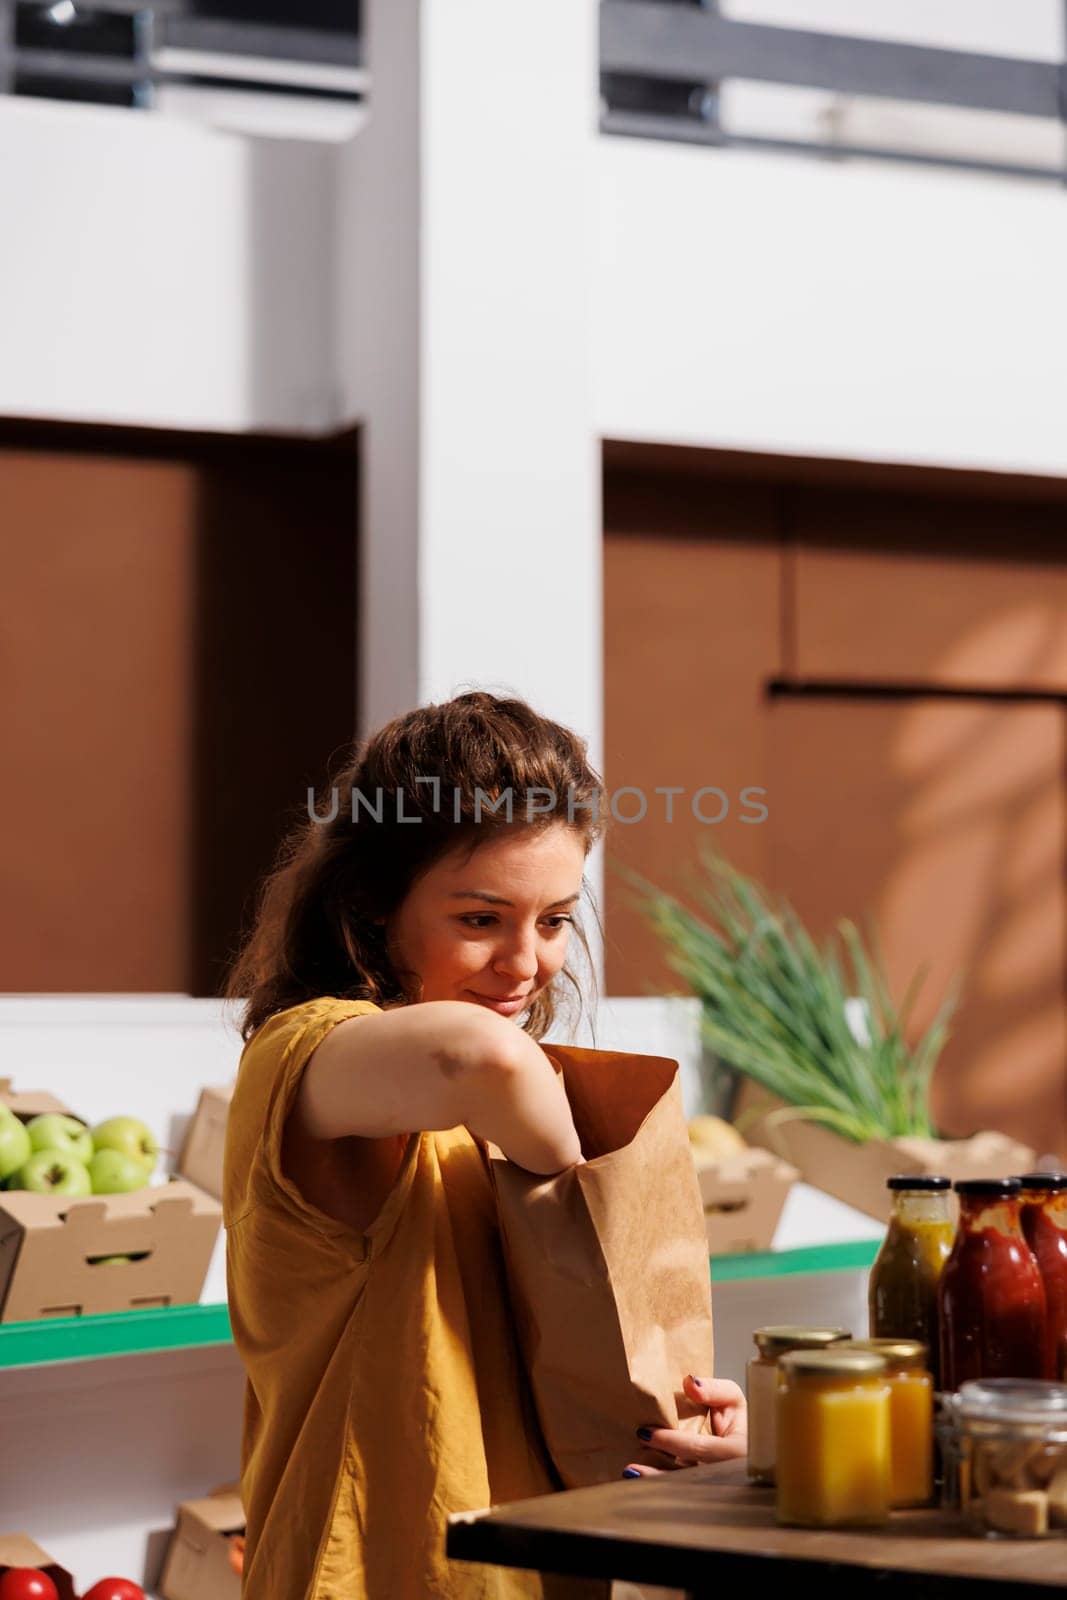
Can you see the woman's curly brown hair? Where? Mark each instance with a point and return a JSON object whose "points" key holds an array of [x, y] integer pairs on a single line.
{"points": [[317, 928]]}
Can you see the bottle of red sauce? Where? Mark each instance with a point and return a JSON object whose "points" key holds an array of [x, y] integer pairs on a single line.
{"points": [[1043, 1212], [991, 1300]]}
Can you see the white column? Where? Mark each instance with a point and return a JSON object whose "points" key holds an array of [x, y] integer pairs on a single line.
{"points": [[465, 236]]}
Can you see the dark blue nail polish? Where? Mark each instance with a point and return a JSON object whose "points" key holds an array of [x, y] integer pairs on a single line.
{"points": [[644, 1433], [630, 1473]]}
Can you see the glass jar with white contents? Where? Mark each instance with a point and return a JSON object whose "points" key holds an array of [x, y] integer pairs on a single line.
{"points": [[762, 1388]]}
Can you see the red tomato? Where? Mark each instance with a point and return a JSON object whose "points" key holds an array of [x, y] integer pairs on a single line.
{"points": [[112, 1589], [27, 1583]]}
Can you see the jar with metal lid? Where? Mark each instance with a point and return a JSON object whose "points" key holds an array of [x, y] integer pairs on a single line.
{"points": [[833, 1466], [762, 1383], [911, 1418], [1011, 1446]]}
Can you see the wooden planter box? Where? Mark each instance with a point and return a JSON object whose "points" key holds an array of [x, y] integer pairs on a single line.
{"points": [[857, 1173]]}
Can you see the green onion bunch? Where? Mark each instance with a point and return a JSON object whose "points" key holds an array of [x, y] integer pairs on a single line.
{"points": [[774, 1006]]}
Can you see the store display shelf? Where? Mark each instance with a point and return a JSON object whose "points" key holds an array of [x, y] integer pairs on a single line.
{"points": [[121, 1333], [125, 1333]]}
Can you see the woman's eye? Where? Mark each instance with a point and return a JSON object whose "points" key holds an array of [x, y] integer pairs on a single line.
{"points": [[479, 920]]}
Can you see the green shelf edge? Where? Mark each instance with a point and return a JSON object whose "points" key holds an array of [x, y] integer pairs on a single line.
{"points": [[130, 1333], [120, 1333], [852, 1255]]}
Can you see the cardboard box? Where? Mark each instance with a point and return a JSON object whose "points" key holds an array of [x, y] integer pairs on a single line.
{"points": [[205, 1141], [53, 1248], [743, 1198], [32, 1103], [17, 1550], [198, 1564], [857, 1173]]}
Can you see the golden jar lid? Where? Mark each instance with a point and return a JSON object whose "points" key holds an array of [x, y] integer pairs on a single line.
{"points": [[777, 1340], [833, 1363], [898, 1354]]}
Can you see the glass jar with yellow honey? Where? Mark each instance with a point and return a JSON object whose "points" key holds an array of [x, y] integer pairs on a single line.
{"points": [[911, 1418], [833, 1468], [902, 1291], [762, 1385]]}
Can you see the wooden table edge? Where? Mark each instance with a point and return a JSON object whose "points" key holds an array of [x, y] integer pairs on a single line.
{"points": [[527, 1534]]}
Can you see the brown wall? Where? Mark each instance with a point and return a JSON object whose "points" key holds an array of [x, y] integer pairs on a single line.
{"points": [[890, 662], [177, 655]]}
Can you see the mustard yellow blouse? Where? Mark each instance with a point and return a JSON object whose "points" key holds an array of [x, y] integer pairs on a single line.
{"points": [[384, 1386]]}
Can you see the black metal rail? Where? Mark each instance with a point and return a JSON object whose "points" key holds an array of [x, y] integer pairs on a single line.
{"points": [[662, 62]]}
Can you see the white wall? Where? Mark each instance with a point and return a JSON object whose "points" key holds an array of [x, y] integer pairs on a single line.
{"points": [[430, 275], [860, 309], [159, 273], [771, 301], [464, 238], [144, 1056]]}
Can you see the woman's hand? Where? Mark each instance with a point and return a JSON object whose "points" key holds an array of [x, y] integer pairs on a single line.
{"points": [[727, 1418]]}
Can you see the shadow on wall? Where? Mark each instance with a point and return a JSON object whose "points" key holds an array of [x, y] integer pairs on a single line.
{"points": [[886, 652]]}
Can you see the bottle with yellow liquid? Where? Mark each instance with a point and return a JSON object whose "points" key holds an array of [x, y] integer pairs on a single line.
{"points": [[911, 1418], [833, 1468], [905, 1277]]}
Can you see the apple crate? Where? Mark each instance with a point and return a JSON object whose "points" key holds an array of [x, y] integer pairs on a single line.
{"points": [[743, 1196], [17, 1550], [205, 1142], [66, 1256], [199, 1563]]}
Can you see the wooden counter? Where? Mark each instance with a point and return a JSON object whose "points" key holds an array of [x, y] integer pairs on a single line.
{"points": [[704, 1529]]}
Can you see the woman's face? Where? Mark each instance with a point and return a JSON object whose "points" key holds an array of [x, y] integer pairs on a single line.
{"points": [[496, 926]]}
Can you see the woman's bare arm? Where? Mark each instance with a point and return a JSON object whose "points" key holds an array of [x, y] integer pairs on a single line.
{"points": [[436, 1065]]}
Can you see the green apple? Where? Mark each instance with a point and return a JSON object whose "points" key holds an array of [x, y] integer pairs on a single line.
{"points": [[51, 1172], [111, 1261], [130, 1138], [15, 1146], [112, 1172], [65, 1135]]}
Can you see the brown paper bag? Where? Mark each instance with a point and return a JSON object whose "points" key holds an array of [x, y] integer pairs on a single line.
{"points": [[608, 1267]]}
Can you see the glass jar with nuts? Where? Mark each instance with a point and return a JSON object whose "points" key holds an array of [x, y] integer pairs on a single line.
{"points": [[1011, 1446]]}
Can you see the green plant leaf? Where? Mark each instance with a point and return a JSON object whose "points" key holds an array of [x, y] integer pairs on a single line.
{"points": [[773, 1003]]}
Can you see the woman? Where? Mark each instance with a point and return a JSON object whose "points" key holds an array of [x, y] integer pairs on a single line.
{"points": [[407, 955]]}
